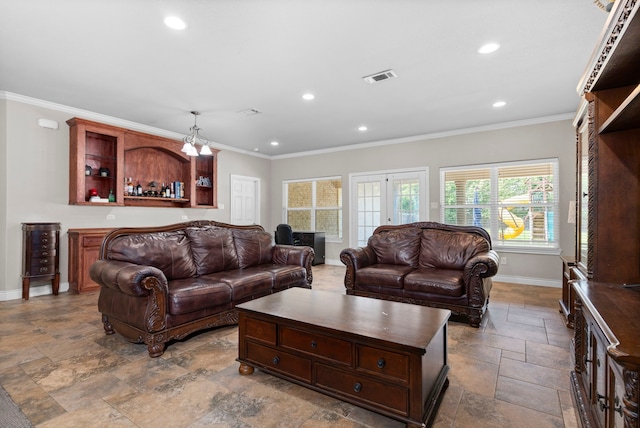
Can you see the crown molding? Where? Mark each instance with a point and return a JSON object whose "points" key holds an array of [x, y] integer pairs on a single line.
{"points": [[114, 121], [86, 114]]}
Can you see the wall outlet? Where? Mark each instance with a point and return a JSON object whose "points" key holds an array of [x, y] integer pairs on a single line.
{"points": [[503, 260], [184, 217], [111, 216]]}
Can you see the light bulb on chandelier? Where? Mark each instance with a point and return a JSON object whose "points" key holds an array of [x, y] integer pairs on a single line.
{"points": [[194, 138]]}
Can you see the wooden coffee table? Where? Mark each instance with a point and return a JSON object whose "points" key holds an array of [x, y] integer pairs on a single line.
{"points": [[387, 357]]}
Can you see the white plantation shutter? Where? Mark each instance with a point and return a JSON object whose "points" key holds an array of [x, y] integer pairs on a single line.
{"points": [[516, 202]]}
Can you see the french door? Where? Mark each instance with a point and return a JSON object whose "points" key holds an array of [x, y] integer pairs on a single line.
{"points": [[387, 198]]}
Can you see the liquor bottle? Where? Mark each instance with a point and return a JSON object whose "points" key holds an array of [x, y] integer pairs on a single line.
{"points": [[167, 193], [130, 185], [126, 187], [182, 189], [112, 197], [139, 189]]}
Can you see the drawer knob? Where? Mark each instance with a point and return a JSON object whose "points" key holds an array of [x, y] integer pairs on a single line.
{"points": [[45, 253], [45, 233], [44, 261], [314, 345], [357, 387], [44, 240], [44, 269], [381, 363], [276, 360]]}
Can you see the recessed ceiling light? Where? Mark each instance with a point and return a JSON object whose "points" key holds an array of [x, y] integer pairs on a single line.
{"points": [[362, 128], [499, 104], [488, 48], [175, 23], [308, 97], [274, 143]]}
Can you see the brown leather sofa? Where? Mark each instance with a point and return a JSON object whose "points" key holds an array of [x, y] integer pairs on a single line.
{"points": [[425, 263], [164, 283]]}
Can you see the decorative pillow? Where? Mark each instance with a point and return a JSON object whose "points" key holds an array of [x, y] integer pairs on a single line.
{"points": [[168, 251], [397, 247], [253, 247], [449, 250], [213, 249]]}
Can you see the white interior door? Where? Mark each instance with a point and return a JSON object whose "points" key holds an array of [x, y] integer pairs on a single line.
{"points": [[389, 198], [245, 200]]}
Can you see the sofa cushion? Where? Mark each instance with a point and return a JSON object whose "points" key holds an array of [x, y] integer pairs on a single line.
{"points": [[254, 247], [449, 250], [397, 247], [446, 282], [168, 251], [245, 283], [194, 294], [385, 275], [213, 249]]}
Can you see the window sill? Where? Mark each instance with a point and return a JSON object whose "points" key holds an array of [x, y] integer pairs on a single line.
{"points": [[528, 250]]}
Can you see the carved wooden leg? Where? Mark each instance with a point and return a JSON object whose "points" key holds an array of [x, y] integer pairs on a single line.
{"points": [[475, 318], [55, 284], [155, 349], [25, 287], [108, 328], [245, 369]]}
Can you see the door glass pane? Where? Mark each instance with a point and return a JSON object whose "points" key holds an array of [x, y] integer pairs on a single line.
{"points": [[406, 200], [368, 210]]}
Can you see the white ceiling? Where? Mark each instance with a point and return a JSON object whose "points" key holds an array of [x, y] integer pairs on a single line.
{"points": [[116, 57]]}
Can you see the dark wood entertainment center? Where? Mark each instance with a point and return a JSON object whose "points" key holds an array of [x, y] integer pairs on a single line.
{"points": [[606, 274]]}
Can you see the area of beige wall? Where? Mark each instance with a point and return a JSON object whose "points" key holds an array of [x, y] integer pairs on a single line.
{"points": [[536, 141], [37, 185]]}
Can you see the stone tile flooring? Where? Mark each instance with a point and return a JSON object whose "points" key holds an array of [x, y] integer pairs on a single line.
{"points": [[63, 371]]}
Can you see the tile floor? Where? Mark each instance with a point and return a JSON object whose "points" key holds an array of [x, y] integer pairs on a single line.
{"points": [[63, 371]]}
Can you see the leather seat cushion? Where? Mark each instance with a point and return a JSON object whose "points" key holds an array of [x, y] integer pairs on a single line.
{"points": [[194, 294], [246, 282], [397, 247], [213, 249], [385, 275], [449, 250], [285, 276], [447, 282]]}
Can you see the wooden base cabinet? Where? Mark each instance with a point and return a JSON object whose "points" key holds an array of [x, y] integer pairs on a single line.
{"points": [[606, 349], [84, 250]]}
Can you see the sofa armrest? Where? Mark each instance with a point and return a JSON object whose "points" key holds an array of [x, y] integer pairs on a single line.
{"points": [[354, 259], [128, 278], [477, 276], [296, 256]]}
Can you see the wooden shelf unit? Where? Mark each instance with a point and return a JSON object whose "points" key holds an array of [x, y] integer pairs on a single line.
{"points": [[141, 157], [604, 381]]}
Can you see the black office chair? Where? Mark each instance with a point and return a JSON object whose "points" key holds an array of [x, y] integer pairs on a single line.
{"points": [[284, 235]]}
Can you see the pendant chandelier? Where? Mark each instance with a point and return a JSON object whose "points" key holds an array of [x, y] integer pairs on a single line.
{"points": [[194, 138]]}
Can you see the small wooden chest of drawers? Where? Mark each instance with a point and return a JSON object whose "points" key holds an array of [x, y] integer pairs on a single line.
{"points": [[40, 260]]}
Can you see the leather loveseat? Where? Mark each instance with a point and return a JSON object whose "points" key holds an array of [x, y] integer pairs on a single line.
{"points": [[164, 283], [425, 263]]}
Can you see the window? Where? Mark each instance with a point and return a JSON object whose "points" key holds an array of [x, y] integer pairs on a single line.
{"points": [[515, 202], [314, 205]]}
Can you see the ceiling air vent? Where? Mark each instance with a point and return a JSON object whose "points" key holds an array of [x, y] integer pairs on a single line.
{"points": [[250, 111], [379, 77]]}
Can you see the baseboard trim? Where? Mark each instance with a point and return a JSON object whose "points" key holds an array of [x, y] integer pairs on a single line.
{"points": [[34, 291], [540, 282]]}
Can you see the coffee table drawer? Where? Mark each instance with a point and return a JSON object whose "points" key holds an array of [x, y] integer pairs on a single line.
{"points": [[291, 365], [381, 362], [316, 344], [263, 331], [363, 389]]}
